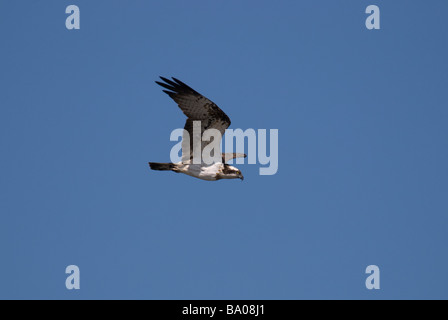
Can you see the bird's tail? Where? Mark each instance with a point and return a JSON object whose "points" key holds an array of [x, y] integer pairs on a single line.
{"points": [[162, 166]]}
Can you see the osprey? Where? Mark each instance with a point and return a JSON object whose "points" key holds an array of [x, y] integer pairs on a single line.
{"points": [[198, 108]]}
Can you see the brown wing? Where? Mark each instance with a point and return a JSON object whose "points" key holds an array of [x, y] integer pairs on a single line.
{"points": [[197, 108]]}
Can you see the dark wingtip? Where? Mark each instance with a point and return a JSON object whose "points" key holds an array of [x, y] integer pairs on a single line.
{"points": [[184, 86], [177, 80], [176, 85], [168, 92]]}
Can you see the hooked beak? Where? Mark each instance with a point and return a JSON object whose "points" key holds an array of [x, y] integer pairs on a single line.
{"points": [[241, 177]]}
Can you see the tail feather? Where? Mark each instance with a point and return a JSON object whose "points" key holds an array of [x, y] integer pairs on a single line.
{"points": [[162, 166]]}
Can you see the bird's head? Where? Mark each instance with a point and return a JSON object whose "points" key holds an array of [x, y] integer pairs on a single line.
{"points": [[229, 172]]}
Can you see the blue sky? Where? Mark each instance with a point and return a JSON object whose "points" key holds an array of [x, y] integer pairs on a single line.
{"points": [[362, 119]]}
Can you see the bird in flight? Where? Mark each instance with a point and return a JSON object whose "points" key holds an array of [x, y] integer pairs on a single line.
{"points": [[205, 115]]}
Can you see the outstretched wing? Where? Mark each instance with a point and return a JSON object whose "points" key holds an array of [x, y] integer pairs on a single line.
{"points": [[229, 156], [197, 108]]}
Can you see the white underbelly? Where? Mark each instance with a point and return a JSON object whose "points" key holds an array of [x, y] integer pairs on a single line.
{"points": [[201, 171]]}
